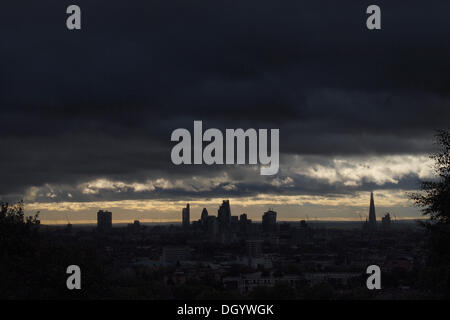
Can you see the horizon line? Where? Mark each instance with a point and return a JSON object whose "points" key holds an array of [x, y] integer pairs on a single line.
{"points": [[179, 221]]}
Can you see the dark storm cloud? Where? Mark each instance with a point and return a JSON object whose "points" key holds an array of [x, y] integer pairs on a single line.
{"points": [[103, 101]]}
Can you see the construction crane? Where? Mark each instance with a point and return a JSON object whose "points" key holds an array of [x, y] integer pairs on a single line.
{"points": [[67, 218], [360, 218]]}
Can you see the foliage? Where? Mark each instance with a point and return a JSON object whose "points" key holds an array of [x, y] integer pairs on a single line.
{"points": [[435, 196], [434, 199]]}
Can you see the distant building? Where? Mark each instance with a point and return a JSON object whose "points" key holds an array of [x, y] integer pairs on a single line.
{"points": [[212, 226], [247, 282], [204, 217], [269, 221], [254, 248], [372, 215], [171, 254], [104, 220], [386, 221], [234, 223], [302, 234], [186, 216], [135, 226], [244, 224], [334, 278], [224, 216]]}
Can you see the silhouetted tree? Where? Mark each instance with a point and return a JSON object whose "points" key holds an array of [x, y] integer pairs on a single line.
{"points": [[434, 199], [33, 265], [14, 216], [16, 230], [435, 195]]}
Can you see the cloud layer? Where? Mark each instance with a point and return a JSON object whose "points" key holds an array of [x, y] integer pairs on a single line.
{"points": [[87, 116]]}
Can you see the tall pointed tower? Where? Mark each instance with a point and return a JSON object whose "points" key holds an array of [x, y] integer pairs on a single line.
{"points": [[372, 216]]}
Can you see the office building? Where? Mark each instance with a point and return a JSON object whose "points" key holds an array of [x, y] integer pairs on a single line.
{"points": [[269, 221], [104, 220], [186, 216]]}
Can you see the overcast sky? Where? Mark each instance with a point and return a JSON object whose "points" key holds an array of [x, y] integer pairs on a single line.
{"points": [[86, 116]]}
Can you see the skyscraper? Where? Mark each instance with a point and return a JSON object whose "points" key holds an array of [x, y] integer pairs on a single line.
{"points": [[204, 217], [224, 216], [185, 213], [104, 220], [269, 221], [244, 224], [372, 216]]}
